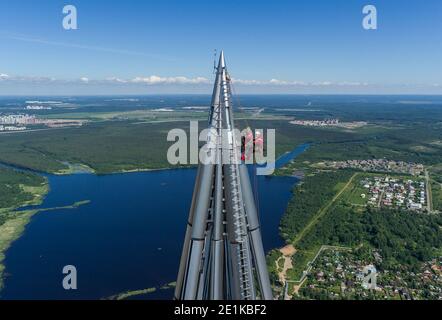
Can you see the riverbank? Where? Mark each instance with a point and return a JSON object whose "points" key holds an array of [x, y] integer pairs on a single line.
{"points": [[23, 192], [102, 190], [10, 231]]}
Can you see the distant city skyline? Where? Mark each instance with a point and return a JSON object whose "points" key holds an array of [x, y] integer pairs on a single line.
{"points": [[302, 47]]}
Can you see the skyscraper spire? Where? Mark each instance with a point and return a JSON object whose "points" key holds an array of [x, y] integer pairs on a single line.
{"points": [[223, 255]]}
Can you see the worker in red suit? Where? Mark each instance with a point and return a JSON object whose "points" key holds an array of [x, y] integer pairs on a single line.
{"points": [[259, 146]]}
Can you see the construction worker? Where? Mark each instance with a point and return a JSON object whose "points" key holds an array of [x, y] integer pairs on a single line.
{"points": [[248, 142], [258, 146]]}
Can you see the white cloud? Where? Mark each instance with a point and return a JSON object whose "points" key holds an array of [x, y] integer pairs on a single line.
{"points": [[204, 84], [322, 83], [182, 80], [117, 80], [27, 79], [247, 82], [356, 84], [155, 80], [287, 83], [278, 82]]}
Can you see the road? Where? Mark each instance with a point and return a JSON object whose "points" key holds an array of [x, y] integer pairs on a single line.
{"points": [[380, 198], [428, 190]]}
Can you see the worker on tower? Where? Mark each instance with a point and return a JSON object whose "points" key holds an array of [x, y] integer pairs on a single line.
{"points": [[258, 146], [247, 145]]}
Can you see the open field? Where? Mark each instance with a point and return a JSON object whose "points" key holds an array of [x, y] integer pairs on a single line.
{"points": [[155, 115]]}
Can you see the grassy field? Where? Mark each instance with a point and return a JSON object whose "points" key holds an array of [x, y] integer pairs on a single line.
{"points": [[436, 191], [354, 193], [154, 115], [436, 172]]}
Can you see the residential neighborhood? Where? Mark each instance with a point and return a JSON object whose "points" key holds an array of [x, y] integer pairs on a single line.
{"points": [[356, 274], [22, 122], [394, 192], [378, 165], [329, 123]]}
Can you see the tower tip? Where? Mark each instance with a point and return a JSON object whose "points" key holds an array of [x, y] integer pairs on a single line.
{"points": [[222, 61]]}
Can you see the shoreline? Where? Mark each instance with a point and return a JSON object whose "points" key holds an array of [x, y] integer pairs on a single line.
{"points": [[81, 168], [12, 229]]}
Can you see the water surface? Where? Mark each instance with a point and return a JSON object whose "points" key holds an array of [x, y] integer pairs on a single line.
{"points": [[128, 237]]}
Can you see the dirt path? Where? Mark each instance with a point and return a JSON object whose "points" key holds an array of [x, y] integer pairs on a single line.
{"points": [[287, 252], [380, 199], [428, 190]]}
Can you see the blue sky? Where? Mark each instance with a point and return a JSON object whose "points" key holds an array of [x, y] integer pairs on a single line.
{"points": [[305, 46]]}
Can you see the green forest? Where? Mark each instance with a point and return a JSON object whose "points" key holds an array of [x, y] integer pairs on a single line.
{"points": [[10, 186], [115, 146], [12, 191], [309, 196], [403, 237]]}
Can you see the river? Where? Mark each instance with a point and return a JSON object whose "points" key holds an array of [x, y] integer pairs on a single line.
{"points": [[128, 237]]}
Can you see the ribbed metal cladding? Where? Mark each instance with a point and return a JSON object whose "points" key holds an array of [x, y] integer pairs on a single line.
{"points": [[223, 256]]}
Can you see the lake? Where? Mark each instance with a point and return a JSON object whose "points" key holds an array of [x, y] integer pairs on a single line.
{"points": [[128, 237]]}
